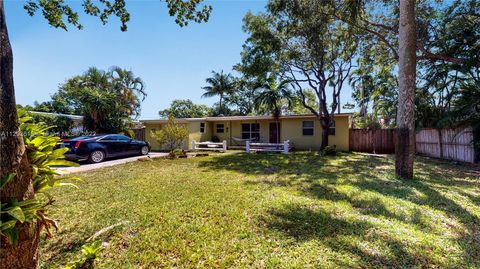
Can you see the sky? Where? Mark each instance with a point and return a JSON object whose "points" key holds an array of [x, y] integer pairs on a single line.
{"points": [[172, 61]]}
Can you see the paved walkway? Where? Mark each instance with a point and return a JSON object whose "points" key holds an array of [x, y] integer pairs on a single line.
{"points": [[87, 167]]}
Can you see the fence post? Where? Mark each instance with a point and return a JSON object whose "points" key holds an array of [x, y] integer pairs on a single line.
{"points": [[224, 145], [193, 145], [247, 146], [440, 142], [285, 147]]}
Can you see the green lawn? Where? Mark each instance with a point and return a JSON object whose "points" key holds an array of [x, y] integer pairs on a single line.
{"points": [[273, 211]]}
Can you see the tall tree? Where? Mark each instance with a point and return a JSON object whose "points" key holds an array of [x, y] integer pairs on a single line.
{"points": [[374, 82], [219, 84], [241, 100], [312, 49], [273, 97], [13, 157], [444, 33]]}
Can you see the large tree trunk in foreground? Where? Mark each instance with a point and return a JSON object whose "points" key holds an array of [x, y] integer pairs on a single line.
{"points": [[13, 159], [405, 147]]}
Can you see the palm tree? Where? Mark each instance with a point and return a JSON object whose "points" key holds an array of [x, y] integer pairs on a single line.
{"points": [[273, 97], [130, 89], [219, 84], [92, 89]]}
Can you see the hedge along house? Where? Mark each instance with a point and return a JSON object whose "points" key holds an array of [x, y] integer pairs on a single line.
{"points": [[303, 131]]}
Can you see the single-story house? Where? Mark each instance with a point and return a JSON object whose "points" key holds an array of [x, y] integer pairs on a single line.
{"points": [[303, 131]]}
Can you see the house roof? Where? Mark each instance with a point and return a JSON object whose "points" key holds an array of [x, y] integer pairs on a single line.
{"points": [[72, 117], [243, 118]]}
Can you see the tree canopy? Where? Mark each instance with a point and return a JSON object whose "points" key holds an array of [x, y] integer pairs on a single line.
{"points": [[448, 49], [185, 108], [219, 84], [60, 14], [303, 43], [107, 99]]}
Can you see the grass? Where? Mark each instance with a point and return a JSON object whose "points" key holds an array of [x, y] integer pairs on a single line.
{"points": [[273, 211]]}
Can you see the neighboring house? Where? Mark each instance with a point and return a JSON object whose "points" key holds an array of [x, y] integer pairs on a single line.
{"points": [[304, 131], [76, 119]]}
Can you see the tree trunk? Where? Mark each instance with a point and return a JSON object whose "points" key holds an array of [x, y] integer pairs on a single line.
{"points": [[220, 104], [325, 123], [13, 158], [324, 143], [338, 103], [278, 130], [405, 147]]}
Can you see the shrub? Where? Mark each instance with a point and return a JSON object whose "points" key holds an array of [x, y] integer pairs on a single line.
{"points": [[90, 254], [329, 151], [171, 136]]}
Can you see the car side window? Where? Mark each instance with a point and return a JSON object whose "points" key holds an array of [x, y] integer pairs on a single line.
{"points": [[122, 138], [115, 138]]}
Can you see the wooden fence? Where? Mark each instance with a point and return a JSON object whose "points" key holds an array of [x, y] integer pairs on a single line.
{"points": [[139, 134], [450, 144], [374, 141]]}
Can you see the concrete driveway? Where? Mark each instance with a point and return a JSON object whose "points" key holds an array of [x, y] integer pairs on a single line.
{"points": [[87, 166]]}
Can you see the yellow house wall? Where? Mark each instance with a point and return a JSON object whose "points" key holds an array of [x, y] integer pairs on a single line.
{"points": [[291, 129], [221, 136], [264, 132], [341, 137], [195, 134], [156, 146], [148, 130]]}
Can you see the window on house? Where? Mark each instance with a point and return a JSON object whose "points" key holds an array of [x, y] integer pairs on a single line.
{"points": [[220, 128], [307, 128], [202, 127], [251, 130], [331, 130]]}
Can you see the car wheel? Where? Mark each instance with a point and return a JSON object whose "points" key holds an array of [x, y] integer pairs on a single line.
{"points": [[97, 156], [144, 150]]}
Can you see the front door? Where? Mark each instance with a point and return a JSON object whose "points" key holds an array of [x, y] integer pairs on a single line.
{"points": [[274, 132]]}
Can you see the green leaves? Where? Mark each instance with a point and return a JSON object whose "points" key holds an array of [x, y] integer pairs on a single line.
{"points": [[16, 212], [59, 162], [171, 135], [7, 225], [89, 255], [108, 99], [11, 234], [13, 212], [42, 155], [185, 108], [6, 179], [91, 250]]}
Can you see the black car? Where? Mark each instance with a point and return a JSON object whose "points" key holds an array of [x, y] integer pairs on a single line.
{"points": [[97, 148]]}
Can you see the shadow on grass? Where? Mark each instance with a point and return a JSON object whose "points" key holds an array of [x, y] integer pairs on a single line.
{"points": [[319, 177], [305, 224]]}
